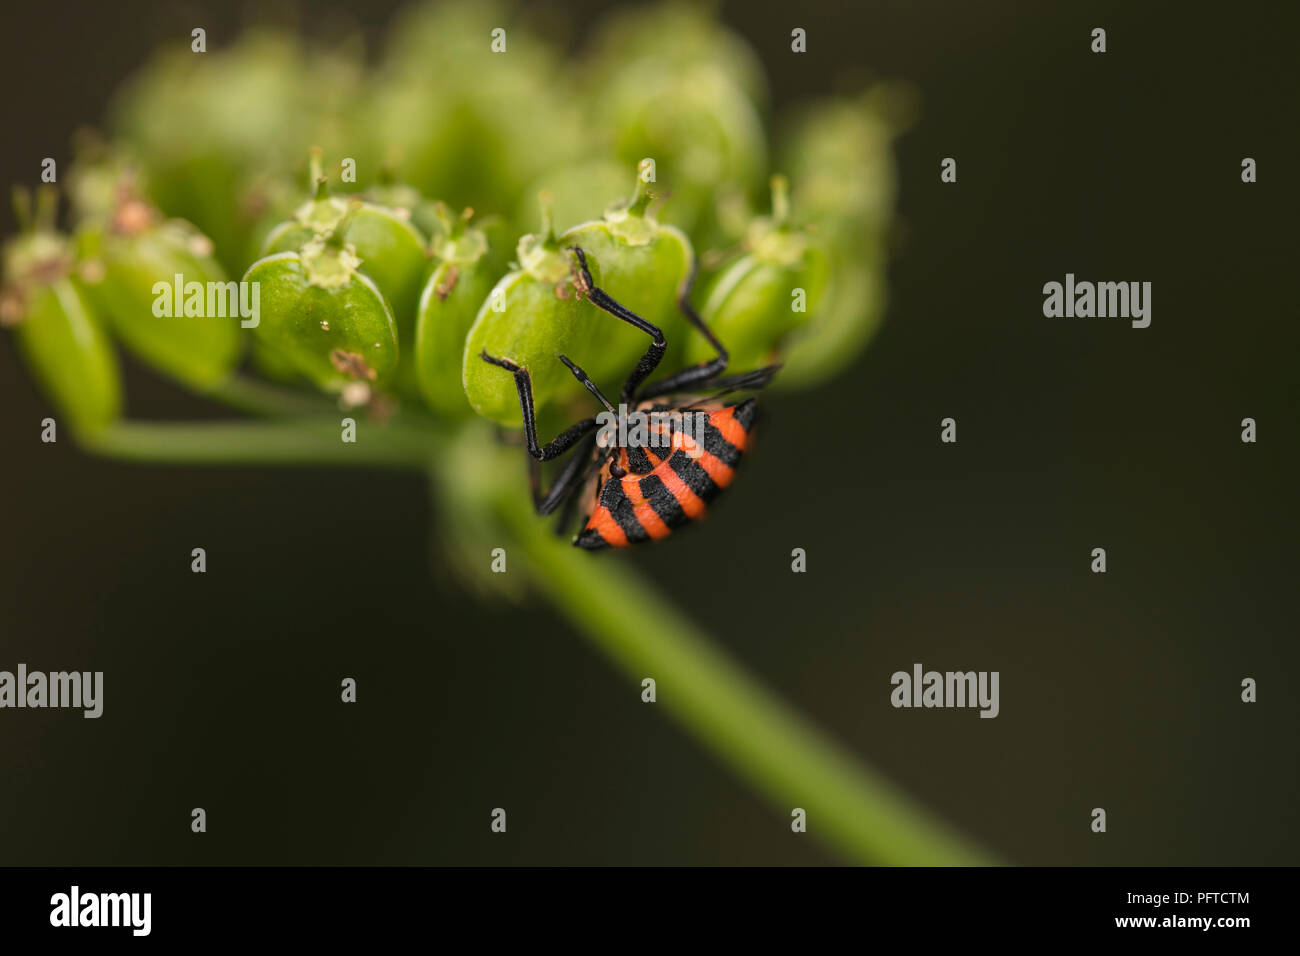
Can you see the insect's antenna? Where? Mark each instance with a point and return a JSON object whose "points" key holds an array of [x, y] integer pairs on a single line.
{"points": [[748, 380], [581, 376]]}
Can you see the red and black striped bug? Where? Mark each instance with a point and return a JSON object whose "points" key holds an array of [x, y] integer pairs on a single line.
{"points": [[640, 491]]}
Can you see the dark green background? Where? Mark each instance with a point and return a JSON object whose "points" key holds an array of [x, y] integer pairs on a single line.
{"points": [[1119, 691]]}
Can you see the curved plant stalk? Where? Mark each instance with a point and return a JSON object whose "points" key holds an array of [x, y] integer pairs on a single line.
{"points": [[852, 808], [300, 442], [262, 398], [857, 812]]}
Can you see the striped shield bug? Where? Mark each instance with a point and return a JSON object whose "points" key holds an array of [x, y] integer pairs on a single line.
{"points": [[639, 484]]}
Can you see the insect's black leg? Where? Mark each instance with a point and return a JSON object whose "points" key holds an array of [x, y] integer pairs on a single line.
{"points": [[565, 520], [524, 385], [696, 374], [742, 381], [590, 464], [753, 379], [579, 468], [650, 360], [569, 481]]}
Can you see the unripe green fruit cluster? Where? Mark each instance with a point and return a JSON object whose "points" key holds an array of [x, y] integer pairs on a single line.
{"points": [[371, 287]]}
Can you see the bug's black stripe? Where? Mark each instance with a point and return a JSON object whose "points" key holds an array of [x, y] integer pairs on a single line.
{"points": [[663, 502], [746, 412], [695, 477], [637, 460], [662, 447], [620, 507], [591, 539], [643, 454], [719, 447]]}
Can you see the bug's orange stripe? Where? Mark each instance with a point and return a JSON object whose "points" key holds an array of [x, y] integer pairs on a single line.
{"points": [[734, 432], [692, 504], [604, 524], [716, 468], [643, 511], [685, 443], [659, 452]]}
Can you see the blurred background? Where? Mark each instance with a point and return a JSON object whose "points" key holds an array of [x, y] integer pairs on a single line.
{"points": [[1118, 691]]}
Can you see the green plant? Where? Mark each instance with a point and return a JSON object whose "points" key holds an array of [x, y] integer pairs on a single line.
{"points": [[462, 276], [325, 317], [389, 249], [58, 332], [361, 309], [770, 291]]}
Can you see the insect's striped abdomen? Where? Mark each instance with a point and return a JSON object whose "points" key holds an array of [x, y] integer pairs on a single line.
{"points": [[642, 507]]}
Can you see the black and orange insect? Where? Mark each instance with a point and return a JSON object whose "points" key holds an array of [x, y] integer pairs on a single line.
{"points": [[640, 492]]}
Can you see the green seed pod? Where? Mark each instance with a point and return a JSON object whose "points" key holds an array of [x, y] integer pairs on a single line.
{"points": [[266, 200], [577, 189], [270, 363], [634, 258], [645, 265], [407, 202], [531, 315], [64, 343], [58, 333], [842, 167], [323, 317], [246, 109], [475, 115], [753, 305], [461, 279], [164, 295], [701, 127], [99, 177], [848, 317], [391, 250], [679, 35], [840, 158]]}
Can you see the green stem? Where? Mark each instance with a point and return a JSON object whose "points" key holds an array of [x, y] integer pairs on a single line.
{"points": [[259, 398], [299, 442], [780, 200], [852, 807]]}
